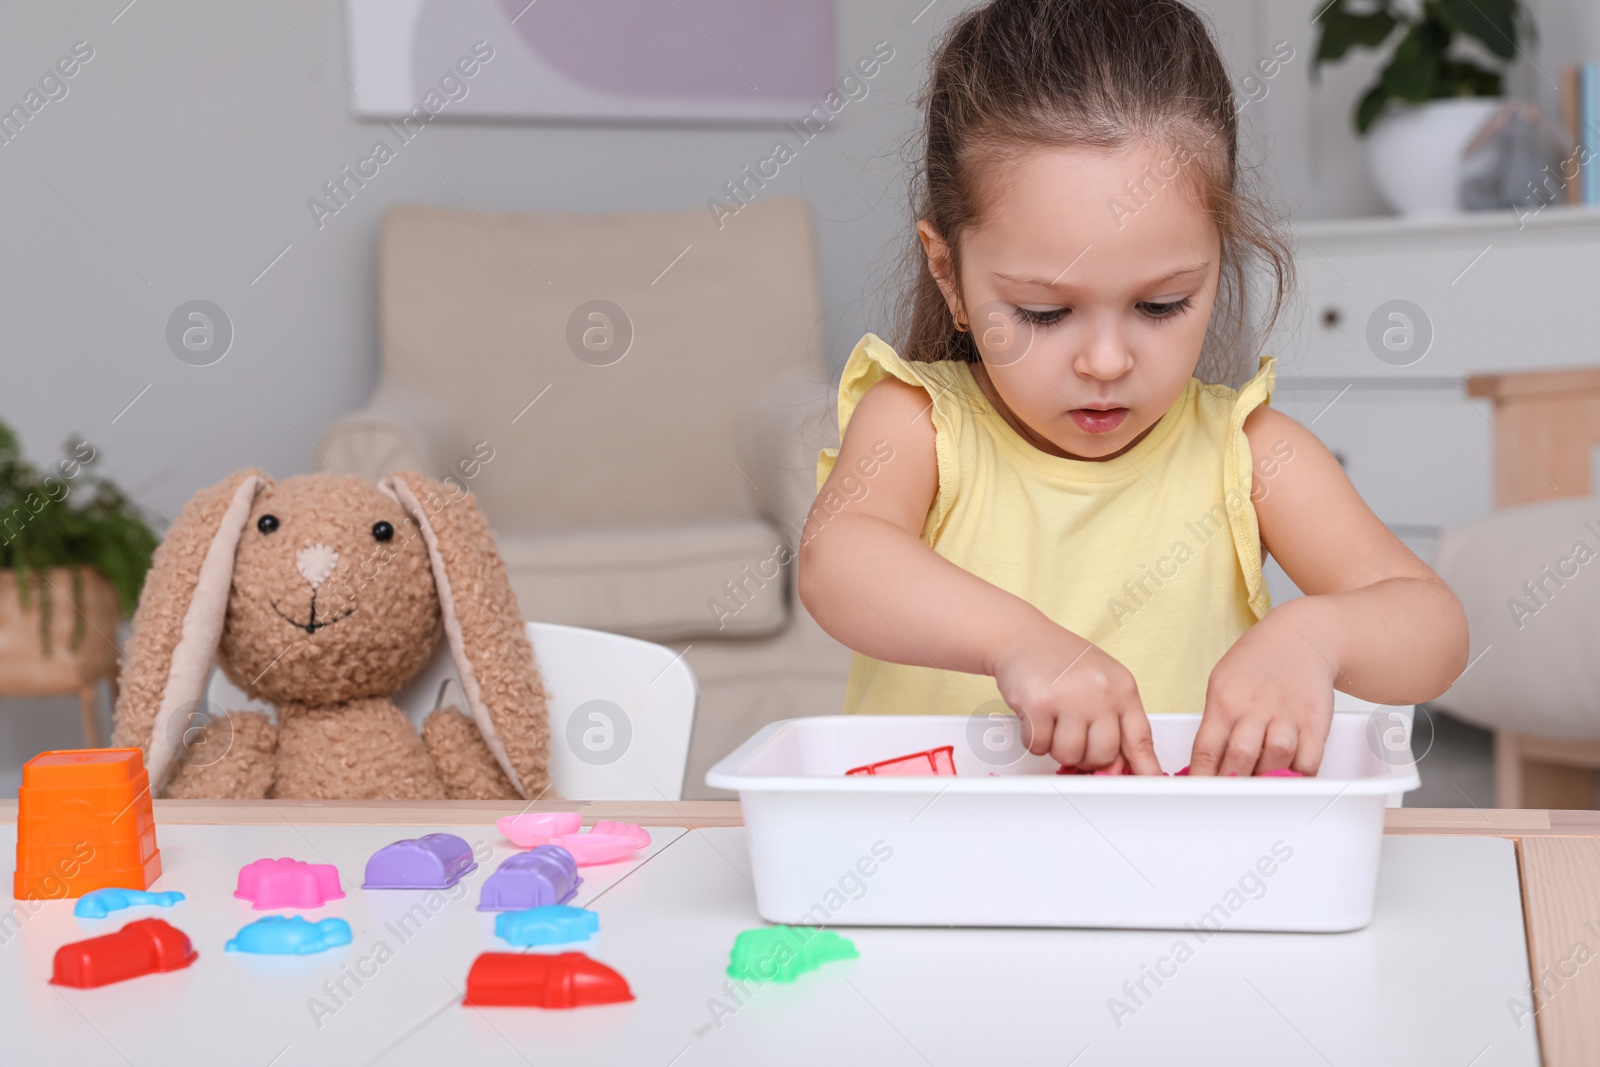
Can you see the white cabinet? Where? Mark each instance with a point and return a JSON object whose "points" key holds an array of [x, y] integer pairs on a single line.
{"points": [[1495, 292]]}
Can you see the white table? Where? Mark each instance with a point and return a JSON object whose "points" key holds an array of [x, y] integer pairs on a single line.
{"points": [[1428, 982]]}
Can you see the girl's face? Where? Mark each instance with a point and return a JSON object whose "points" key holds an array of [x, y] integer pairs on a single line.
{"points": [[1088, 301]]}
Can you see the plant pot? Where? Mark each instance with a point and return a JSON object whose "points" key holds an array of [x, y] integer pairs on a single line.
{"points": [[1414, 152], [26, 669]]}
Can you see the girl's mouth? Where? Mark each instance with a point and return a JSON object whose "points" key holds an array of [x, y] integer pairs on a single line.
{"points": [[1098, 420]]}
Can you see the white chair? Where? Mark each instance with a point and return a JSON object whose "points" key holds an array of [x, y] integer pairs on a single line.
{"points": [[621, 710]]}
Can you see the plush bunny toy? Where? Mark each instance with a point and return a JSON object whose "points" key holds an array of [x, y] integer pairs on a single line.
{"points": [[323, 595]]}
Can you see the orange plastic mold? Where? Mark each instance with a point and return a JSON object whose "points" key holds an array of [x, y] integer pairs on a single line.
{"points": [[84, 822]]}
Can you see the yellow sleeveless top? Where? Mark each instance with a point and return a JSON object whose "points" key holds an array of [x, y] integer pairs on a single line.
{"points": [[1154, 556]]}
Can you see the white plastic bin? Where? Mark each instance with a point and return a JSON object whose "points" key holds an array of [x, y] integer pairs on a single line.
{"points": [[1007, 842]]}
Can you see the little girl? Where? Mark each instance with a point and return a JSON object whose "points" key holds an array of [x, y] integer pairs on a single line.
{"points": [[1035, 500]]}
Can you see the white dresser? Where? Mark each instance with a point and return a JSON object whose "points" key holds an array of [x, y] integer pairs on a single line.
{"points": [[1496, 295]]}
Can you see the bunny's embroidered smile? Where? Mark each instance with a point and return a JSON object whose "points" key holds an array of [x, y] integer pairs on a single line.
{"points": [[314, 624]]}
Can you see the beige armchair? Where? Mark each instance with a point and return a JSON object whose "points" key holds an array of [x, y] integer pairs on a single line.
{"points": [[646, 467]]}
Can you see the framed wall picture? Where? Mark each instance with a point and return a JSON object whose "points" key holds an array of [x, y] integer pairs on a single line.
{"points": [[668, 60]]}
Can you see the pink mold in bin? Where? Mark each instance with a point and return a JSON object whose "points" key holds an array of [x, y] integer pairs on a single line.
{"points": [[288, 883], [1120, 767], [606, 842]]}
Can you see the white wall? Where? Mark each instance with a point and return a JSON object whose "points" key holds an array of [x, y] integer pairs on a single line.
{"points": [[180, 163]]}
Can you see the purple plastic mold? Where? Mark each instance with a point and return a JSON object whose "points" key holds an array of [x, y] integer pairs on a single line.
{"points": [[544, 875], [433, 861]]}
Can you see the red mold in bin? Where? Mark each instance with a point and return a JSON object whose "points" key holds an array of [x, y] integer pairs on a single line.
{"points": [[933, 762], [144, 946], [535, 980]]}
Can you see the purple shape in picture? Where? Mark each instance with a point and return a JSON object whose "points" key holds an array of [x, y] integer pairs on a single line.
{"points": [[731, 48]]}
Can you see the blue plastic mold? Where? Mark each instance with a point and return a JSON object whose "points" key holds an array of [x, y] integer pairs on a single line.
{"points": [[552, 924], [289, 935], [102, 902]]}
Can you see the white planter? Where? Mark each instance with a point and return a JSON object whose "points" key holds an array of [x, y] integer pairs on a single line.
{"points": [[1414, 152]]}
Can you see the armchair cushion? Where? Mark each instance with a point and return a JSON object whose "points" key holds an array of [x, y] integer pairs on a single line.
{"points": [[659, 583], [1529, 579]]}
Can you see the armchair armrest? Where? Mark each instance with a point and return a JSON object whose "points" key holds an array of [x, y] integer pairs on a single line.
{"points": [[401, 428]]}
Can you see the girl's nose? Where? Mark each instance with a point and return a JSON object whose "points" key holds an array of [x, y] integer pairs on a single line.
{"points": [[1105, 355]]}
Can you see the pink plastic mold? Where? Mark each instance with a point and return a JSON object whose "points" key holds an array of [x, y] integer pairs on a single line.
{"points": [[288, 883], [527, 831], [606, 842], [1120, 767]]}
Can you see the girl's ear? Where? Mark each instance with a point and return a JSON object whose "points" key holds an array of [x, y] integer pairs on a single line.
{"points": [[488, 640], [179, 621]]}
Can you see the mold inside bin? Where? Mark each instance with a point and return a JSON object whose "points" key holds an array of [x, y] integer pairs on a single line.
{"points": [[827, 746]]}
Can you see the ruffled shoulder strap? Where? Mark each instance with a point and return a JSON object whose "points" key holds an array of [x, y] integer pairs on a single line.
{"points": [[1237, 479], [873, 360]]}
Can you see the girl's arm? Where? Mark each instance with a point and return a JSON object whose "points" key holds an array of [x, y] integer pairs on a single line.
{"points": [[1375, 622], [871, 582]]}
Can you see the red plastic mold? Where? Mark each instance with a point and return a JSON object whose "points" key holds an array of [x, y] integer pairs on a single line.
{"points": [[935, 761], [535, 980], [144, 946]]}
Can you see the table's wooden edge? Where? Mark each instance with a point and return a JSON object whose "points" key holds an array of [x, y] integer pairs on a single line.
{"points": [[1479, 822], [689, 813]]}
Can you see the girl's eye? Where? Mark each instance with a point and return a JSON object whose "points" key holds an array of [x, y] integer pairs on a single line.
{"points": [[1041, 318], [1165, 309]]}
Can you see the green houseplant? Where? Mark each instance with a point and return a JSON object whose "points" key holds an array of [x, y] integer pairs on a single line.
{"points": [[1443, 80], [68, 517], [1427, 62]]}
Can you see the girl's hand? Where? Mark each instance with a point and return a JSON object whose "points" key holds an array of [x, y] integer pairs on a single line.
{"points": [[1269, 702], [1074, 700]]}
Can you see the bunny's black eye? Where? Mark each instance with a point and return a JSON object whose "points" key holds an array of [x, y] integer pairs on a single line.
{"points": [[267, 523], [382, 531]]}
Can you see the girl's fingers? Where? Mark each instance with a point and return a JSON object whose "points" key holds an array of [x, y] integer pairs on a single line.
{"points": [[1137, 746], [1279, 746], [1244, 747], [1104, 742], [1037, 728], [1309, 758], [1070, 741], [1210, 743]]}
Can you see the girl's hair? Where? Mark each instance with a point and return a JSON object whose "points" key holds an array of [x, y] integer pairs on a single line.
{"points": [[1015, 75]]}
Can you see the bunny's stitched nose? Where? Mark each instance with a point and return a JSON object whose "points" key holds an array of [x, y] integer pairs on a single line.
{"points": [[316, 562]]}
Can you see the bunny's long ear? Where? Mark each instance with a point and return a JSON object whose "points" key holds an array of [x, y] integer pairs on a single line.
{"points": [[179, 620], [488, 640]]}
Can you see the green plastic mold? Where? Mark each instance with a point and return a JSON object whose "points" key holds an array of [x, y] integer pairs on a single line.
{"points": [[784, 953]]}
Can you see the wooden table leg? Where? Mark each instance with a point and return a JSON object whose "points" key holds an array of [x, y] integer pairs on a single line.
{"points": [[1533, 772]]}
